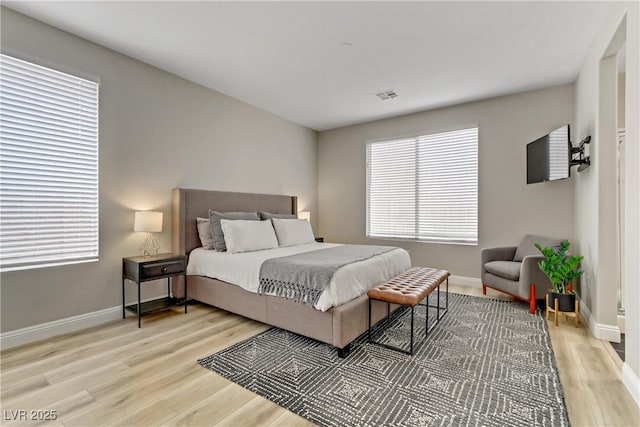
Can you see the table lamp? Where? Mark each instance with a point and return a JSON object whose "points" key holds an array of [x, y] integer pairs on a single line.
{"points": [[304, 215], [148, 222]]}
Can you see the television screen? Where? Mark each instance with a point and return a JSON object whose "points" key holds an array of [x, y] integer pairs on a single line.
{"points": [[548, 157]]}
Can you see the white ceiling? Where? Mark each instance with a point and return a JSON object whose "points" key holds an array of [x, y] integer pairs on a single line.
{"points": [[289, 58]]}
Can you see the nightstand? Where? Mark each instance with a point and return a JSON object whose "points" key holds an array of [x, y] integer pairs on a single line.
{"points": [[142, 269]]}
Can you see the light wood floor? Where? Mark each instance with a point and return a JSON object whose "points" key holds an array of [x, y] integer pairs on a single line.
{"points": [[117, 374]]}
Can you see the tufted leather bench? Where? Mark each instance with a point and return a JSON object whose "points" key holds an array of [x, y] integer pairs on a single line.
{"points": [[408, 289]]}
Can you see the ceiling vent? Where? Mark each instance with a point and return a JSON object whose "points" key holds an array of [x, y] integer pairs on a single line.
{"points": [[387, 94]]}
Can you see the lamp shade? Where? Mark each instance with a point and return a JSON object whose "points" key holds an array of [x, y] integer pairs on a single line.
{"points": [[148, 221], [304, 215]]}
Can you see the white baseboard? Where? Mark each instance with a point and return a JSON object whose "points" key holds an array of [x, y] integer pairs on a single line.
{"points": [[600, 331], [59, 327], [472, 282], [632, 382], [586, 318], [87, 320], [62, 326], [621, 322]]}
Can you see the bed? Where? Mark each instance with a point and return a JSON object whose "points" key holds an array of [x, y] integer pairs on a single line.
{"points": [[337, 325]]}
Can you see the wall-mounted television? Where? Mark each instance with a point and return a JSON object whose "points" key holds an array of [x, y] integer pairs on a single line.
{"points": [[549, 157]]}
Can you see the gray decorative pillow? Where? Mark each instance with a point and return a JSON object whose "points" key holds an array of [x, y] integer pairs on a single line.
{"points": [[216, 227], [204, 231], [269, 215], [526, 248]]}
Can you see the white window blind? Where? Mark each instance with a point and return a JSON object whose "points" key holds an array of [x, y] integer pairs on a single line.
{"points": [[48, 166], [424, 188]]}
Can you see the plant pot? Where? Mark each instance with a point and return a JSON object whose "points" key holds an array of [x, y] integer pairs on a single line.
{"points": [[566, 302]]}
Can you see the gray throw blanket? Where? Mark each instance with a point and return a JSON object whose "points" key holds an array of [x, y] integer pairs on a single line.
{"points": [[303, 277]]}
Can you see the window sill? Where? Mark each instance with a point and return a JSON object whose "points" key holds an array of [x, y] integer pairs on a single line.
{"points": [[46, 265], [414, 240]]}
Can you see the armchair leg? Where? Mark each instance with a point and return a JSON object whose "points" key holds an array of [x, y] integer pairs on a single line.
{"points": [[532, 298], [484, 289]]}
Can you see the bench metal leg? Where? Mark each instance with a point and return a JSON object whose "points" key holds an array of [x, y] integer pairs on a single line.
{"points": [[426, 310], [446, 308], [440, 312], [369, 330], [372, 327], [411, 346], [388, 314]]}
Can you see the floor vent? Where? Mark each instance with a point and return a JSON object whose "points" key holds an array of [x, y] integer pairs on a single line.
{"points": [[387, 94]]}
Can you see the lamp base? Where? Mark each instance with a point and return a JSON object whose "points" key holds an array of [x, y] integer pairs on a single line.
{"points": [[150, 246]]}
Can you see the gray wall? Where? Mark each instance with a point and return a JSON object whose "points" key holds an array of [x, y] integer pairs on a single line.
{"points": [[595, 190], [621, 100], [508, 208], [157, 132]]}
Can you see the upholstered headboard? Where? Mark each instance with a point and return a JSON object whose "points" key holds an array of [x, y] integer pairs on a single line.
{"points": [[190, 204]]}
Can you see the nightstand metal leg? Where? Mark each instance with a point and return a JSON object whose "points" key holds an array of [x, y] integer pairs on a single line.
{"points": [[185, 292], [124, 311], [139, 307]]}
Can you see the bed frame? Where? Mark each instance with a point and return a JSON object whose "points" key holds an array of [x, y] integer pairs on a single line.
{"points": [[338, 326]]}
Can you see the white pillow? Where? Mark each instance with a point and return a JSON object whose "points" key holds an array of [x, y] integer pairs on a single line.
{"points": [[292, 232], [248, 235]]}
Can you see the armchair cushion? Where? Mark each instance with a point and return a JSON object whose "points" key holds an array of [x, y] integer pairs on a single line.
{"points": [[526, 247], [507, 269]]}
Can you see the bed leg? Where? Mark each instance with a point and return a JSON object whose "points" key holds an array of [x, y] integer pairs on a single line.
{"points": [[344, 352]]}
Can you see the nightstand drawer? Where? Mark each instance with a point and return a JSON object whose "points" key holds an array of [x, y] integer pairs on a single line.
{"points": [[148, 271]]}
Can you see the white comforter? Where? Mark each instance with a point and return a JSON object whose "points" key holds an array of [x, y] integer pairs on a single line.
{"points": [[349, 282]]}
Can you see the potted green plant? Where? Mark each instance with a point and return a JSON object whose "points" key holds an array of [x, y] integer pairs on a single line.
{"points": [[561, 269]]}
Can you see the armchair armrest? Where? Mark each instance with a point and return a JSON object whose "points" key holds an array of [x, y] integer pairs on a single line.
{"points": [[504, 253], [530, 273]]}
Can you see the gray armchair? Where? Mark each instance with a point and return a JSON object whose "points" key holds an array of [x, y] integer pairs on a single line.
{"points": [[514, 270]]}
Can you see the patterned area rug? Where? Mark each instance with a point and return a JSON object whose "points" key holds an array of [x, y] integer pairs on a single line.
{"points": [[488, 363]]}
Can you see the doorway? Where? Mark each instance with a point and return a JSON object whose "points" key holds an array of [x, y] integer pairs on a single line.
{"points": [[620, 185]]}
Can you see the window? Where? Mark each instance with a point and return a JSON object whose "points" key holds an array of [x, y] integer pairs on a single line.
{"points": [[424, 188], [48, 166]]}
